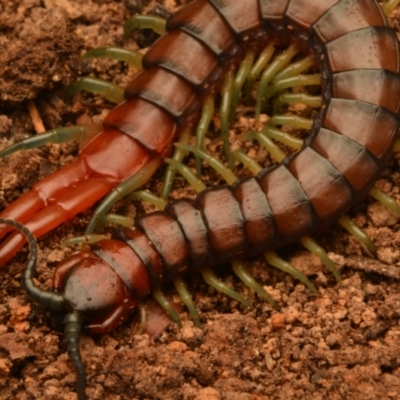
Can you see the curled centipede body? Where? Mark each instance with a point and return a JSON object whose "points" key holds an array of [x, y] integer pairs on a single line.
{"points": [[352, 139]]}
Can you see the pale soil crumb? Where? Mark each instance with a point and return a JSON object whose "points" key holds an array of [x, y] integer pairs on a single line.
{"points": [[341, 344]]}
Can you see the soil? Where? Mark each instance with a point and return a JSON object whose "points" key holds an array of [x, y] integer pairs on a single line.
{"points": [[343, 343]]}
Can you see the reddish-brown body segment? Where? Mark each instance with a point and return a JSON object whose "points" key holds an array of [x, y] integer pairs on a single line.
{"points": [[351, 139], [350, 142]]}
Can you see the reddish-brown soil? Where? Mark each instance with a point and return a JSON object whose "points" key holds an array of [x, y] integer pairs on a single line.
{"points": [[342, 344]]}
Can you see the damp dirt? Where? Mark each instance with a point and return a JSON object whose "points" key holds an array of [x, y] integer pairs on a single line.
{"points": [[343, 343]]}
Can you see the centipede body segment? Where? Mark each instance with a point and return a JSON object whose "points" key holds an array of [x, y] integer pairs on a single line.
{"points": [[351, 140]]}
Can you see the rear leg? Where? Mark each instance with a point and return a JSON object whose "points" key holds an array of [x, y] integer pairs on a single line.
{"points": [[74, 188]]}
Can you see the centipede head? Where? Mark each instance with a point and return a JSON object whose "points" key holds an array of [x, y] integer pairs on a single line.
{"points": [[92, 288]]}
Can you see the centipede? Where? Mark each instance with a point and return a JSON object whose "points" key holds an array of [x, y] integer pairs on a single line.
{"points": [[351, 141]]}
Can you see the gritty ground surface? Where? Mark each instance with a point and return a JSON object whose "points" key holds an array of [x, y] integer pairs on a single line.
{"points": [[342, 344]]}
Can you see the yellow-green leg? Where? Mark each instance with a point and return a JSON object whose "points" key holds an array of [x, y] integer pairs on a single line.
{"points": [[81, 134]]}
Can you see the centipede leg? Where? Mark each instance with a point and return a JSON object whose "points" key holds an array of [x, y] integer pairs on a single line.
{"points": [[179, 283], [240, 79], [230, 94], [226, 98], [157, 294], [81, 134], [143, 319], [202, 127], [296, 144], [83, 240], [183, 291], [271, 257], [132, 57], [178, 155], [279, 263], [211, 279], [297, 98], [166, 305], [269, 73], [207, 274], [296, 81], [291, 82], [241, 272], [385, 199], [294, 121], [306, 241], [295, 68], [121, 190], [153, 22], [344, 221], [109, 91], [73, 201], [260, 64], [238, 267], [359, 233], [389, 6]]}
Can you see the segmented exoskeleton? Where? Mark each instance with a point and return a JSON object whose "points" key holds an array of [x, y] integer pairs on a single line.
{"points": [[352, 138]]}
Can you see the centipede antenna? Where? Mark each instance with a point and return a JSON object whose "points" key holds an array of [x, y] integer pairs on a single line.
{"points": [[211, 279], [73, 326], [277, 262], [167, 306], [156, 24], [120, 191], [46, 298], [207, 113], [179, 155], [238, 82], [241, 272], [54, 301], [108, 90], [385, 199], [358, 233], [186, 297], [131, 57], [81, 133], [261, 62]]}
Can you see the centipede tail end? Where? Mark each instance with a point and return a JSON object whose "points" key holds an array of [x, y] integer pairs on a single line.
{"points": [[205, 44]]}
